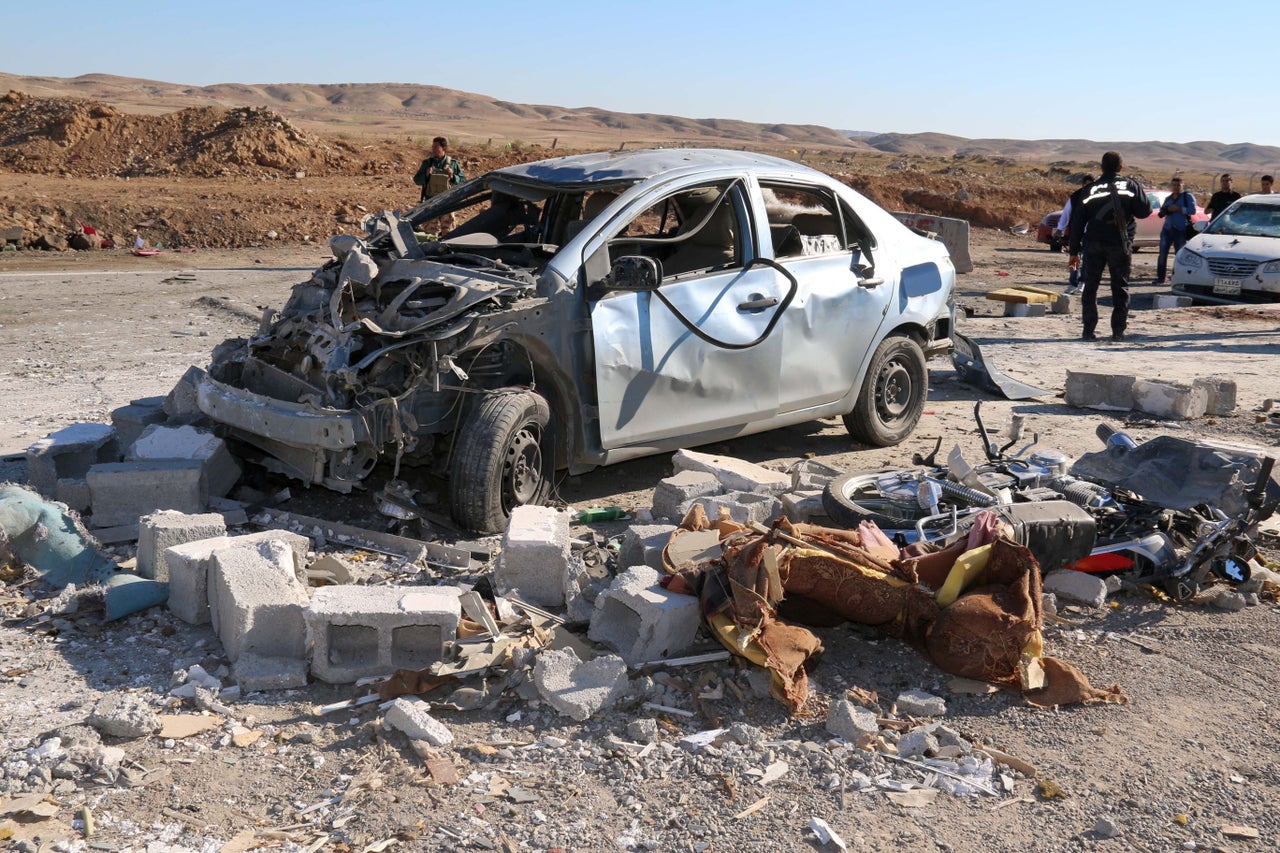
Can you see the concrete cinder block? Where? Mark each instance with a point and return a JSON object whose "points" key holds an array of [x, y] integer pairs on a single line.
{"points": [[1026, 309], [1106, 391], [74, 492], [129, 421], [1221, 394], [189, 566], [254, 673], [1170, 399], [803, 506], [736, 475], [69, 453], [742, 507], [369, 630], [257, 604], [642, 545], [1080, 587], [809, 474], [181, 404], [162, 530], [1168, 300], [642, 621], [676, 491], [1065, 303], [221, 470], [535, 555], [122, 492], [577, 689]]}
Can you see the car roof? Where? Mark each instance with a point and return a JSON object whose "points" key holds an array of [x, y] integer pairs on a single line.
{"points": [[619, 167], [1261, 198]]}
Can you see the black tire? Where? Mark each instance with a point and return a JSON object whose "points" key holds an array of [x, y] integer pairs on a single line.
{"points": [[893, 394], [501, 459], [854, 498]]}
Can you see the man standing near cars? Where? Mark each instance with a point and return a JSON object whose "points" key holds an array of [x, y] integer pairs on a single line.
{"points": [[1268, 184], [1176, 212], [439, 171], [1064, 220], [1108, 207], [1222, 199]]}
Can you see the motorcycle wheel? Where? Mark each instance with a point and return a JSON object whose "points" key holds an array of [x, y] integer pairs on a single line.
{"points": [[857, 497]]}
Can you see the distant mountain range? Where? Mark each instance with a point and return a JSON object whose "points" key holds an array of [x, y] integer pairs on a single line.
{"points": [[419, 110]]}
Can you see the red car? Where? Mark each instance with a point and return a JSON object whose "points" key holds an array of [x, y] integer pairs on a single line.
{"points": [[1044, 234]]}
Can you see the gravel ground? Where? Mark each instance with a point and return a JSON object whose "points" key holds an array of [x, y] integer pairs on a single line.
{"points": [[1190, 757]]}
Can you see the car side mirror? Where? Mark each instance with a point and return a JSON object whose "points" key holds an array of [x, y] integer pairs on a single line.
{"points": [[635, 273]]}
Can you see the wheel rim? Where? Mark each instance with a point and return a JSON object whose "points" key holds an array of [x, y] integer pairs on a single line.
{"points": [[522, 467], [894, 391]]}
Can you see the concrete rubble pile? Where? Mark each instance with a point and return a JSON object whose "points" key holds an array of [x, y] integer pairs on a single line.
{"points": [[653, 641]]}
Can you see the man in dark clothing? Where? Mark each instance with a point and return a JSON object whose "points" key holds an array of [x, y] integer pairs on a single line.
{"points": [[1222, 199], [440, 164], [1108, 208]]}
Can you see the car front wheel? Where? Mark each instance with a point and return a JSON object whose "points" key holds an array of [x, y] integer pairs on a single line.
{"points": [[893, 394], [501, 459]]}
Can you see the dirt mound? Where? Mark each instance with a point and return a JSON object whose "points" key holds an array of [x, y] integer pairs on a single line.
{"points": [[93, 139]]}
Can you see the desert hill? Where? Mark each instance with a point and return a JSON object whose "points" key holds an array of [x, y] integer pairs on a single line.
{"points": [[383, 108]]}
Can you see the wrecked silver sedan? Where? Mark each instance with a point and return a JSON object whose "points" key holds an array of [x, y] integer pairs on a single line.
{"points": [[585, 310]]}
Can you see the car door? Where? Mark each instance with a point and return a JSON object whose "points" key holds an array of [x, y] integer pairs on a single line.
{"points": [[842, 296], [679, 359]]}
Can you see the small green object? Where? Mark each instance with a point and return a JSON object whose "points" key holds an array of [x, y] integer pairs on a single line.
{"points": [[608, 513]]}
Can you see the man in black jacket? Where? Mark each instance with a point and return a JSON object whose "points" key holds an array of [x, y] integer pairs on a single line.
{"points": [[1108, 208]]}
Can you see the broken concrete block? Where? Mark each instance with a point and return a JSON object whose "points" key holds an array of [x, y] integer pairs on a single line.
{"points": [[851, 722], [918, 742], [69, 453], [577, 689], [1109, 392], [124, 715], [1080, 587], [74, 492], [1026, 309], [535, 555], [1221, 394], [642, 621], [676, 491], [410, 715], [129, 421], [1169, 300], [1170, 399], [810, 474], [643, 730], [642, 545], [256, 602], [742, 507], [254, 673], [221, 470], [123, 492], [737, 475], [580, 592], [371, 630], [162, 530], [1064, 303], [189, 566], [181, 403], [918, 703], [803, 506]]}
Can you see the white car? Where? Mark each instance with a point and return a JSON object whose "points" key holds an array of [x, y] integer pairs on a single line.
{"points": [[1236, 258], [585, 310]]}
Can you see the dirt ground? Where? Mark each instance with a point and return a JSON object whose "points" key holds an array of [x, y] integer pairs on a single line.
{"points": [[1193, 752]]}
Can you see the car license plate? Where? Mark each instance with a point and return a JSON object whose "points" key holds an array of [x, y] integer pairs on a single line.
{"points": [[1227, 286]]}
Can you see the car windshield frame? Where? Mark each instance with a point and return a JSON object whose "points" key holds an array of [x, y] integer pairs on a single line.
{"points": [[1247, 219]]}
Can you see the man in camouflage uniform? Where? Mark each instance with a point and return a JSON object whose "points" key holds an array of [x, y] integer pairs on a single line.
{"points": [[439, 163]]}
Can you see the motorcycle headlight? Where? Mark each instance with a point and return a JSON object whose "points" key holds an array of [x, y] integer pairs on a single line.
{"points": [[1271, 267], [1189, 259]]}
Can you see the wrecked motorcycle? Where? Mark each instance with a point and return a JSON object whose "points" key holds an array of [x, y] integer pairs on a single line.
{"points": [[1170, 511]]}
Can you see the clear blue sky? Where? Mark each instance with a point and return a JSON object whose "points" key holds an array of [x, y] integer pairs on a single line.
{"points": [[1173, 70]]}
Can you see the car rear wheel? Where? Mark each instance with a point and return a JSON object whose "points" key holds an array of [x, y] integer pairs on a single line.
{"points": [[893, 394], [501, 459]]}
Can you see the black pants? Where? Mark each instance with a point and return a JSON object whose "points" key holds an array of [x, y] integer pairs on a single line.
{"points": [[1116, 260]]}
